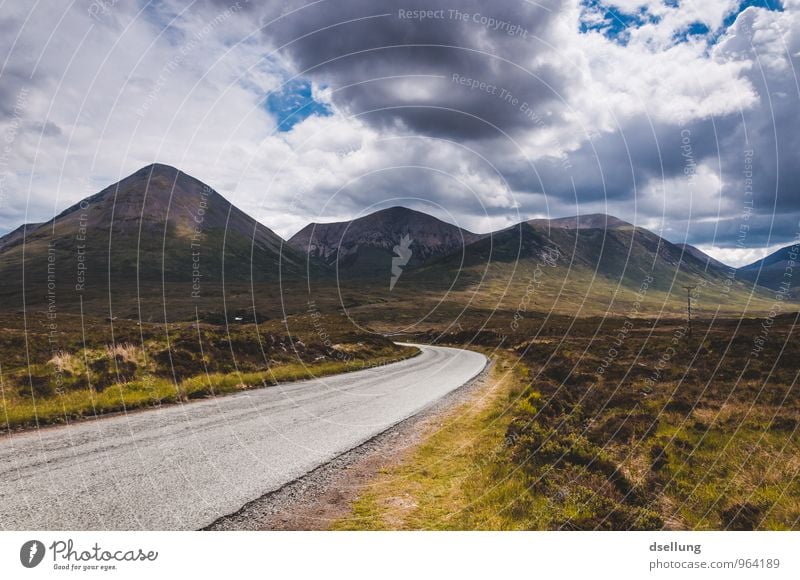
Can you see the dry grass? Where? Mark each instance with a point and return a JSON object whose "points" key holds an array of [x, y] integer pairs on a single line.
{"points": [[125, 350], [450, 480], [64, 362]]}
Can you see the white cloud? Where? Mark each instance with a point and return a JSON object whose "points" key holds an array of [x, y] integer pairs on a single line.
{"points": [[738, 257], [109, 95], [695, 194]]}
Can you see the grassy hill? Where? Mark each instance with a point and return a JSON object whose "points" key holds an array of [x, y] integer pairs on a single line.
{"points": [[532, 270], [158, 244]]}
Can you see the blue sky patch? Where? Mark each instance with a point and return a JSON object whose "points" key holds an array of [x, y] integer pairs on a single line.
{"points": [[616, 25], [293, 103], [694, 29], [768, 4]]}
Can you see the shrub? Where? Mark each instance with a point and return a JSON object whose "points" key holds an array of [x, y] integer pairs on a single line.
{"points": [[741, 517]]}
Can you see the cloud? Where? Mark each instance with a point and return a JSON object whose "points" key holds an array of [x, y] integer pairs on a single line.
{"points": [[486, 113], [738, 257], [108, 93], [399, 65]]}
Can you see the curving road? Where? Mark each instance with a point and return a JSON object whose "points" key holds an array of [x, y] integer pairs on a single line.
{"points": [[184, 466]]}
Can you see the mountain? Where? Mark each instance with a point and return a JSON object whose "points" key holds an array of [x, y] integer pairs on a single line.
{"points": [[599, 221], [702, 256], [583, 265], [583, 222], [617, 251], [160, 245], [158, 233], [365, 246], [778, 268], [538, 268]]}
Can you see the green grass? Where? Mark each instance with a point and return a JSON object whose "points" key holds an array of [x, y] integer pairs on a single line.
{"points": [[150, 391], [740, 478], [459, 477]]}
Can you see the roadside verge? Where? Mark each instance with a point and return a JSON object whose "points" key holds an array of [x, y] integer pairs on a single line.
{"points": [[407, 477]]}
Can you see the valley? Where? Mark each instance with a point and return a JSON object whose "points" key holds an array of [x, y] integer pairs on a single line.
{"points": [[157, 293]]}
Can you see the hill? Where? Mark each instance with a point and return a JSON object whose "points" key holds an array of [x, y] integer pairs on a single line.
{"points": [[583, 222], [536, 270], [365, 246], [775, 270], [702, 256], [160, 246], [157, 236]]}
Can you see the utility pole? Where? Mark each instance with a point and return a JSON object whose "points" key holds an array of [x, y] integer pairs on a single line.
{"points": [[689, 308]]}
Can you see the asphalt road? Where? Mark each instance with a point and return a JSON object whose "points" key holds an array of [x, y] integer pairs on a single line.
{"points": [[184, 466]]}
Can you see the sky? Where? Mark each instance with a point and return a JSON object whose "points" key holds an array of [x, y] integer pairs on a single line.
{"points": [[679, 116]]}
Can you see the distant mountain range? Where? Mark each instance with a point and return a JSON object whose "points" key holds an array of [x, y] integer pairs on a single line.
{"points": [[776, 271], [162, 244]]}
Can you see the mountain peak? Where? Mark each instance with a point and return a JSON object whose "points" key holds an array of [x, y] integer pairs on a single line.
{"points": [[154, 225], [160, 167], [397, 214], [157, 169], [149, 172], [347, 243], [399, 211], [583, 222]]}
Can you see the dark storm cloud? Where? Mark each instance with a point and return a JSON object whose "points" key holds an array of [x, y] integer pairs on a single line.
{"points": [[754, 152], [769, 129], [435, 74], [614, 166], [439, 73], [46, 129], [763, 142], [434, 67], [768, 135]]}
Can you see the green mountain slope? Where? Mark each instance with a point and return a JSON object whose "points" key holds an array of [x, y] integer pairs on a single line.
{"points": [[159, 241]]}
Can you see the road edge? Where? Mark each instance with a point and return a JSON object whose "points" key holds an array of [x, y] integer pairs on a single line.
{"points": [[281, 508]]}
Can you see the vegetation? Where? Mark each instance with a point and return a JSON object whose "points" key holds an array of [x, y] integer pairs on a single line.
{"points": [[603, 429], [658, 430], [605, 411], [460, 476]]}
